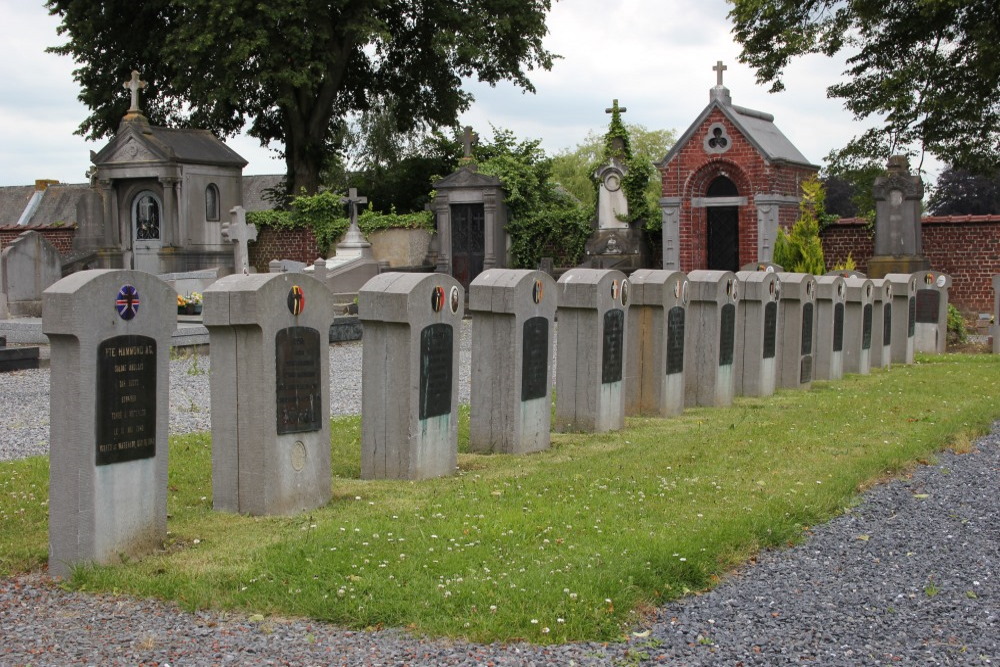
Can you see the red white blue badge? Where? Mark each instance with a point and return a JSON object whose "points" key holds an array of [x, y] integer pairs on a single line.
{"points": [[127, 303], [296, 300]]}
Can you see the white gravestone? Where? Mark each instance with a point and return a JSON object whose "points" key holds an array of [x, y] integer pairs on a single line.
{"points": [[513, 327], [881, 352], [654, 368], [409, 392], [830, 303], [109, 333], [590, 364], [859, 324], [240, 233], [711, 338], [904, 315], [756, 348], [796, 322], [270, 392], [930, 333]]}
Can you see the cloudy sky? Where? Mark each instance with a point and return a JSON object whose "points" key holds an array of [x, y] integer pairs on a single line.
{"points": [[655, 56]]}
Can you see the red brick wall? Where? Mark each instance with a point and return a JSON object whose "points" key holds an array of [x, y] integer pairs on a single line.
{"points": [[967, 248], [295, 244], [60, 237]]}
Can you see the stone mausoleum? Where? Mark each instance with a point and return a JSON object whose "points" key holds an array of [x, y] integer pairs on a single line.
{"points": [[728, 183]]}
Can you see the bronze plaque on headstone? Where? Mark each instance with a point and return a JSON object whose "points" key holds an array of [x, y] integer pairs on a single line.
{"points": [[297, 372], [675, 340], [436, 350], [912, 317], [866, 327], [928, 306], [126, 399], [727, 335], [886, 324], [614, 337], [807, 331], [838, 327], [770, 329], [535, 359]]}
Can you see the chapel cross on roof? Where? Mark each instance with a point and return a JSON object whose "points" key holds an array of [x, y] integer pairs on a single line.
{"points": [[134, 85], [719, 69]]}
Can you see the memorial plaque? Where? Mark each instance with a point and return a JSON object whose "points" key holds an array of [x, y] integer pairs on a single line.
{"points": [[535, 358], [126, 399], [928, 306], [912, 317], [806, 369], [299, 396], [838, 327], [886, 323], [675, 340], [436, 350], [727, 335], [611, 361], [866, 327], [807, 331], [770, 329]]}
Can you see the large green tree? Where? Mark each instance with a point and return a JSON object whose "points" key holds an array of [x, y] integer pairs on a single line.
{"points": [[929, 69], [294, 70]]}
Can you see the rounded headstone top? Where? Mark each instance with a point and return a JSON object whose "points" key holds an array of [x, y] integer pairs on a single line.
{"points": [[415, 298], [832, 288], [860, 290], [265, 299], [602, 289], [761, 286], [883, 289], [656, 287], [720, 286], [797, 286], [903, 284], [514, 291]]}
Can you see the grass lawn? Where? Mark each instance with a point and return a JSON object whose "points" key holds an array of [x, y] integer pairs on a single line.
{"points": [[568, 544]]}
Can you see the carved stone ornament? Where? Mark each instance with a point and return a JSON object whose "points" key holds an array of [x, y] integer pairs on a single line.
{"points": [[717, 139]]}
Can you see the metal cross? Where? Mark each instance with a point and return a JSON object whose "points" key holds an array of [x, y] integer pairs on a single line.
{"points": [[719, 69], [614, 107], [134, 85], [352, 199]]}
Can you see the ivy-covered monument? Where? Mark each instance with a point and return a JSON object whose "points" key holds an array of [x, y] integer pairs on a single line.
{"points": [[159, 198], [728, 183]]}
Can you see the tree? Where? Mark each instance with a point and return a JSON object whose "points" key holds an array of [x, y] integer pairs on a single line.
{"points": [[929, 68], [959, 192], [295, 69], [801, 251]]}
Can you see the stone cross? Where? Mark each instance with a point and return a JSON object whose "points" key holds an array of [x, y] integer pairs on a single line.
{"points": [[614, 107], [719, 69], [353, 237], [240, 233], [467, 140], [134, 85]]}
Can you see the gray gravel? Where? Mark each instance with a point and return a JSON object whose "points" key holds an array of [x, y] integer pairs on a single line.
{"points": [[908, 576]]}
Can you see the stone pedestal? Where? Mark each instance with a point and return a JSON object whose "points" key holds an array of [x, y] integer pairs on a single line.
{"points": [[796, 324], [830, 302], [756, 355], [654, 368], [859, 325], [710, 338], [512, 334], [624, 249]]}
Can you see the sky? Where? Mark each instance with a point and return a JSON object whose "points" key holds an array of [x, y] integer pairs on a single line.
{"points": [[654, 56]]}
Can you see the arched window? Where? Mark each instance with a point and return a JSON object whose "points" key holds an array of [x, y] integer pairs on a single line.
{"points": [[722, 187], [212, 202], [146, 209]]}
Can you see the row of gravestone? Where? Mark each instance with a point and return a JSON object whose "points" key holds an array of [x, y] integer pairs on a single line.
{"points": [[647, 345]]}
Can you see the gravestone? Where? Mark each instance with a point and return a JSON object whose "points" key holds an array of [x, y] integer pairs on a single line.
{"points": [[898, 237], [239, 233], [28, 265], [270, 392], [513, 327], [763, 266], [409, 391], [830, 308], [109, 335], [904, 316], [797, 327], [593, 309], [881, 352], [710, 345], [756, 347], [654, 369], [859, 324], [930, 333]]}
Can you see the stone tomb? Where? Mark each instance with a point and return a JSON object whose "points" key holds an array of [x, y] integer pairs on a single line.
{"points": [[859, 324], [881, 352], [409, 393], [756, 347], [513, 329], [710, 343], [796, 324], [28, 265], [654, 368], [831, 292], [593, 309], [904, 315], [270, 392], [930, 332], [109, 333]]}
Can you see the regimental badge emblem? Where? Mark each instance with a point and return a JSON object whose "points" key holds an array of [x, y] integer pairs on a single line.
{"points": [[127, 303], [624, 292], [614, 290], [437, 299], [296, 300], [538, 291]]}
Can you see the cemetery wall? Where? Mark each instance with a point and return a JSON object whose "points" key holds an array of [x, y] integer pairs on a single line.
{"points": [[966, 247], [295, 244], [60, 237]]}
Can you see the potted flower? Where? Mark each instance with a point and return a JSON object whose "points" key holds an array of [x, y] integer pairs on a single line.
{"points": [[190, 304]]}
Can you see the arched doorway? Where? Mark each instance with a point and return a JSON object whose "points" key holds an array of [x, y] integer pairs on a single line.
{"points": [[723, 225], [146, 231]]}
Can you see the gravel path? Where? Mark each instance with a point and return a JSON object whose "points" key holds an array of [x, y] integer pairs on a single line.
{"points": [[909, 576]]}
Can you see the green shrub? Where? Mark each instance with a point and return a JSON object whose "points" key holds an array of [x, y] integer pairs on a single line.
{"points": [[956, 326]]}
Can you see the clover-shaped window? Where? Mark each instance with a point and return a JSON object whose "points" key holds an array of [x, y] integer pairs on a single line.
{"points": [[717, 139]]}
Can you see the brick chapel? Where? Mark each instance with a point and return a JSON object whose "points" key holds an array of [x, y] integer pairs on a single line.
{"points": [[728, 183]]}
